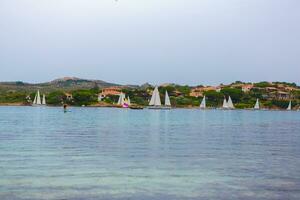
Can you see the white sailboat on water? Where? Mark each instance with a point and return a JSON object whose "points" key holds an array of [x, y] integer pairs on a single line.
{"points": [[256, 107], [155, 102], [123, 101], [225, 104], [44, 100], [229, 103], [37, 100], [128, 101], [290, 106], [203, 103], [167, 100]]}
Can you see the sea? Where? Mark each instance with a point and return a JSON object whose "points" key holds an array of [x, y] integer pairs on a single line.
{"points": [[113, 154]]}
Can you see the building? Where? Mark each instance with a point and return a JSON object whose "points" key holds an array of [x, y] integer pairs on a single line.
{"points": [[109, 91], [69, 96], [247, 87], [283, 95], [198, 91]]}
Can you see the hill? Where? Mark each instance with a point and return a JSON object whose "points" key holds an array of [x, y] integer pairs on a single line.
{"points": [[63, 84]]}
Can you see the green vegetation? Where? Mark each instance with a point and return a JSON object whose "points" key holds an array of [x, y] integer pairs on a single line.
{"points": [[56, 98], [263, 84], [84, 97], [179, 95], [13, 97]]}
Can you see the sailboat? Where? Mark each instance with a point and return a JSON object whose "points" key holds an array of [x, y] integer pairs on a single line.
{"points": [[123, 102], [256, 107], [203, 103], [37, 99], [128, 101], [121, 99], [290, 106], [167, 100], [229, 103], [155, 102], [44, 100], [225, 104]]}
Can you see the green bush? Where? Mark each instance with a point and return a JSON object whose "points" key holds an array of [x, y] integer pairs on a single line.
{"points": [[213, 98], [13, 97], [56, 98], [234, 93], [84, 97]]}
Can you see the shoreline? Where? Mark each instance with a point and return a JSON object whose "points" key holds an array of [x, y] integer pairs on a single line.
{"points": [[113, 106]]}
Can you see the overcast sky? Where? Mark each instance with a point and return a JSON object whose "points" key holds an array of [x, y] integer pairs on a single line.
{"points": [[157, 41]]}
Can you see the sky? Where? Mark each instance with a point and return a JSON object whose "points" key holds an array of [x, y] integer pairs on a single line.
{"points": [[158, 41]]}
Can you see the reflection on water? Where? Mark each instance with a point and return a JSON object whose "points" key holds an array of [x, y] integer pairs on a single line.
{"points": [[99, 153]]}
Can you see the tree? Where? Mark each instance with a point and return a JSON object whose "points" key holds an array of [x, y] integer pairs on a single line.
{"points": [[263, 84], [213, 98], [185, 90], [234, 93], [84, 97], [56, 98]]}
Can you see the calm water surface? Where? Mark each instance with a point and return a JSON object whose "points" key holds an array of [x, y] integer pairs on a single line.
{"points": [[101, 153]]}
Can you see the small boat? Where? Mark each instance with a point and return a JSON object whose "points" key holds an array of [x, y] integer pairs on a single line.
{"points": [[155, 102], [121, 99], [134, 107], [44, 100], [203, 103], [230, 104], [256, 107], [38, 101], [123, 102], [225, 104], [290, 106]]}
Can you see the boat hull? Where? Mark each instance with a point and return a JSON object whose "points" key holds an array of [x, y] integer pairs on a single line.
{"points": [[159, 107]]}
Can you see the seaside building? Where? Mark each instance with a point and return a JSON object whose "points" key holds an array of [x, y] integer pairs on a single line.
{"points": [[247, 87], [283, 95], [198, 91], [109, 91], [69, 96]]}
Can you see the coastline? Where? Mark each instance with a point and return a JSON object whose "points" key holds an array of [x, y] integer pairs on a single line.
{"points": [[145, 107]]}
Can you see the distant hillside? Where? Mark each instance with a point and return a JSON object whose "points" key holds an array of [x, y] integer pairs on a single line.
{"points": [[65, 84]]}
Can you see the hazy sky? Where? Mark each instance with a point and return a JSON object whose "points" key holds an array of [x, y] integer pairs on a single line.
{"points": [[156, 41]]}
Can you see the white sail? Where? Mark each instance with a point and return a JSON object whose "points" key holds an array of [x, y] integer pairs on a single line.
{"points": [[128, 101], [290, 106], [203, 103], [155, 99], [121, 99], [229, 103], [34, 101], [38, 98], [44, 100], [225, 104], [256, 104], [167, 99]]}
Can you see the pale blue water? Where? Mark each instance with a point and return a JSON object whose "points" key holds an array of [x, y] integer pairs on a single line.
{"points": [[101, 153]]}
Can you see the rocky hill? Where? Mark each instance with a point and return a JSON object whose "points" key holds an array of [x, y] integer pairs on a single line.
{"points": [[65, 84]]}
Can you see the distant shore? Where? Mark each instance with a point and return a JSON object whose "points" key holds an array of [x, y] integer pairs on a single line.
{"points": [[114, 106]]}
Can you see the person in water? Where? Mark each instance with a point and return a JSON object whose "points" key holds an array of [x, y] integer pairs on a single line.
{"points": [[65, 107]]}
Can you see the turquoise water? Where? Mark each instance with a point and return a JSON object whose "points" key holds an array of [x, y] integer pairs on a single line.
{"points": [[102, 153]]}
